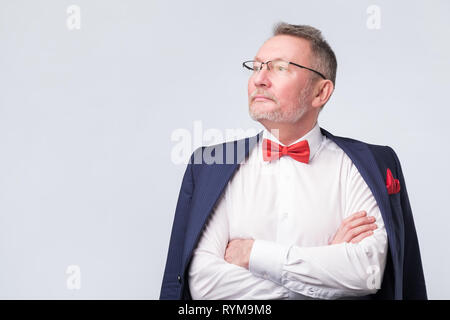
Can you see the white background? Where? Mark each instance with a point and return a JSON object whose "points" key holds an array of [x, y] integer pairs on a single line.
{"points": [[86, 118]]}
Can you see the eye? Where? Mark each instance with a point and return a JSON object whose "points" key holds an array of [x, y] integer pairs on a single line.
{"points": [[280, 67]]}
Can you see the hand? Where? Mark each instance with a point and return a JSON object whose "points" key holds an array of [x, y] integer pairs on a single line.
{"points": [[355, 228], [238, 252]]}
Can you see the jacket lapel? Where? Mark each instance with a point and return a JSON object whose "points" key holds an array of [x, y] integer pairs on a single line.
{"points": [[367, 166], [211, 189]]}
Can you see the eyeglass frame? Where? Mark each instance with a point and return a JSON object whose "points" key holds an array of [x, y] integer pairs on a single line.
{"points": [[289, 62]]}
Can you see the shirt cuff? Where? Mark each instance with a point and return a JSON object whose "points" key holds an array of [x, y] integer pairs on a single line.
{"points": [[267, 259]]}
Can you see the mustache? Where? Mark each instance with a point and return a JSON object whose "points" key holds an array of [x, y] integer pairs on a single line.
{"points": [[260, 92]]}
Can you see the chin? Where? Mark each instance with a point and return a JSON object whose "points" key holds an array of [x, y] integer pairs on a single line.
{"points": [[263, 106], [271, 115]]}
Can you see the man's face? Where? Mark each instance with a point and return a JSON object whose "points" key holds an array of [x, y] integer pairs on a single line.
{"points": [[286, 97]]}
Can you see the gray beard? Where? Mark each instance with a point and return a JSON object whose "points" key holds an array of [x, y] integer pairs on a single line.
{"points": [[291, 116]]}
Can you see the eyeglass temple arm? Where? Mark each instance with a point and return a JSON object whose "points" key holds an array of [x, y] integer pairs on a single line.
{"points": [[309, 69]]}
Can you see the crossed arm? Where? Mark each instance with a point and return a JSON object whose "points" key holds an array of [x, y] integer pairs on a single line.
{"points": [[353, 229], [351, 265], [220, 269]]}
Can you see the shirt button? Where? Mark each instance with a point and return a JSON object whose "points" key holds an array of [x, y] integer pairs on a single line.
{"points": [[284, 215]]}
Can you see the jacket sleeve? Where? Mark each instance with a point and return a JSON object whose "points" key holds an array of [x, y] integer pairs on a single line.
{"points": [[413, 278], [171, 284]]}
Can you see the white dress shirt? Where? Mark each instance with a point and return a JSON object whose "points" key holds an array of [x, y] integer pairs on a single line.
{"points": [[292, 210]]}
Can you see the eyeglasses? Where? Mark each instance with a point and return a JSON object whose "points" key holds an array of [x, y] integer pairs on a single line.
{"points": [[279, 67]]}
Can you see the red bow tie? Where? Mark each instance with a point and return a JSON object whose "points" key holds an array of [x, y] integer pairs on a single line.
{"points": [[298, 151]]}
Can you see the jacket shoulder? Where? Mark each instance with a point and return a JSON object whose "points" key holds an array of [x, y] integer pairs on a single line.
{"points": [[377, 149], [229, 152]]}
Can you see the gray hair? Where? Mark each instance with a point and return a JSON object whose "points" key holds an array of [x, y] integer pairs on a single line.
{"points": [[323, 58]]}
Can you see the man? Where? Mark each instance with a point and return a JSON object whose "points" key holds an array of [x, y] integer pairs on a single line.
{"points": [[298, 213]]}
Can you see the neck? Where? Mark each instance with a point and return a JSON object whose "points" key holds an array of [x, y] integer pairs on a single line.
{"points": [[288, 132]]}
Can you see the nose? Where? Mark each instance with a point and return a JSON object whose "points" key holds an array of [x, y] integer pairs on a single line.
{"points": [[261, 78]]}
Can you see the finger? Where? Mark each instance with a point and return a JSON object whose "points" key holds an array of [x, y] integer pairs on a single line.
{"points": [[345, 226], [362, 236], [358, 230], [361, 221], [354, 216]]}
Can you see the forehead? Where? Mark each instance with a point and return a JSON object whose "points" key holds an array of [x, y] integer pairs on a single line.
{"points": [[284, 47]]}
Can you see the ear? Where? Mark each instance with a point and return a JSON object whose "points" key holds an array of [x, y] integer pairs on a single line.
{"points": [[322, 92]]}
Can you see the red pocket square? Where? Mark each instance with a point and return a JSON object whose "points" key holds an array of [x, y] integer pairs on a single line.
{"points": [[392, 185]]}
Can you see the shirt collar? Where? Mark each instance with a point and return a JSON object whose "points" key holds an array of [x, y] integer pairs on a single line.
{"points": [[314, 137]]}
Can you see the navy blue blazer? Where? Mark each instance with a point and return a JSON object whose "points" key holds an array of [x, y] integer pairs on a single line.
{"points": [[204, 182]]}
